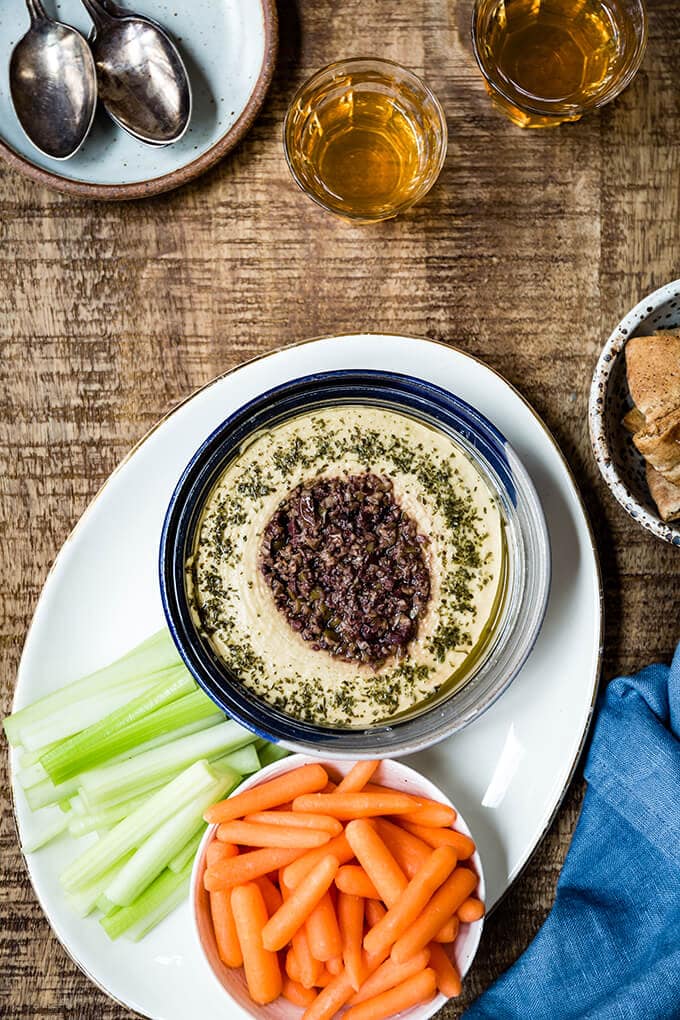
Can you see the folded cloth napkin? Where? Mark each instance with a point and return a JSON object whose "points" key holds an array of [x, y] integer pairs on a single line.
{"points": [[610, 947]]}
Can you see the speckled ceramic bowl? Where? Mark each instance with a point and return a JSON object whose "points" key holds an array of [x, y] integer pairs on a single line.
{"points": [[620, 464], [232, 980]]}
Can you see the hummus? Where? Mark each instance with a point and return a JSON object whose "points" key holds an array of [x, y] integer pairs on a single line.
{"points": [[441, 495]]}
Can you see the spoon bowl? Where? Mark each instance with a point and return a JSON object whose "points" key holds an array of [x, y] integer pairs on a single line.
{"points": [[142, 80], [53, 85]]}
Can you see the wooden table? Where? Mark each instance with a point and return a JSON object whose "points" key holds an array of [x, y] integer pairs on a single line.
{"points": [[526, 253]]}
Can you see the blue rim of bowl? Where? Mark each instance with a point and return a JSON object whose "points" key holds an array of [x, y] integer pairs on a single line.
{"points": [[667, 531], [478, 437]]}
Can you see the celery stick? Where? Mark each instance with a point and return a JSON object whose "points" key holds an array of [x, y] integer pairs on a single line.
{"points": [[28, 758], [159, 899], [105, 905], [81, 824], [153, 917], [245, 761], [156, 765], [47, 828], [133, 830], [152, 656], [272, 753], [77, 806], [31, 776], [141, 719], [66, 721], [46, 792], [84, 901], [115, 797], [188, 852], [162, 845]]}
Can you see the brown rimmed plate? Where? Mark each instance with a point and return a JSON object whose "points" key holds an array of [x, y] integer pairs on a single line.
{"points": [[230, 50]]}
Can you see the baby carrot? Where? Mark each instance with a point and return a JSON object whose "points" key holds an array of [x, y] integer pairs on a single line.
{"points": [[448, 978], [296, 993], [309, 968], [419, 988], [443, 904], [350, 910], [338, 847], [249, 834], [323, 934], [352, 879], [428, 810], [470, 911], [390, 974], [334, 965], [247, 867], [226, 938], [376, 860], [409, 852], [295, 910], [297, 819], [217, 851], [358, 776], [410, 904], [330, 999], [461, 843], [263, 974], [448, 931], [330, 787], [347, 806], [431, 815], [270, 894], [325, 977], [293, 966], [305, 780], [374, 911]]}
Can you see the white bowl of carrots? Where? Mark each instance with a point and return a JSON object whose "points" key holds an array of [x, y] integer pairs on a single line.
{"points": [[330, 888]]}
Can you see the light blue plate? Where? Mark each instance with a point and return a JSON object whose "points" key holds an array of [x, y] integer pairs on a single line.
{"points": [[229, 47]]}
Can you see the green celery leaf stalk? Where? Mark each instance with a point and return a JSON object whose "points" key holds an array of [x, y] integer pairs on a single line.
{"points": [[140, 772], [45, 793], [154, 655], [132, 831], [188, 851], [272, 753], [154, 916], [162, 896], [85, 900], [82, 824], [31, 775], [45, 829], [245, 760], [141, 719], [162, 845]]}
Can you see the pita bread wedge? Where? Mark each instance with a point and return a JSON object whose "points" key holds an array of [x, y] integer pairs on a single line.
{"points": [[634, 421], [659, 444], [665, 494], [653, 368]]}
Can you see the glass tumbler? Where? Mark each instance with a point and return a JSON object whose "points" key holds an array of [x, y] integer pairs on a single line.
{"points": [[550, 61], [365, 138]]}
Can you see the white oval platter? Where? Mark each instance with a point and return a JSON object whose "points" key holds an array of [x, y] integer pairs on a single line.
{"points": [[507, 772]]}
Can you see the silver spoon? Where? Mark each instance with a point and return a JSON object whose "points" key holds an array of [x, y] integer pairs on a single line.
{"points": [[142, 79], [53, 84]]}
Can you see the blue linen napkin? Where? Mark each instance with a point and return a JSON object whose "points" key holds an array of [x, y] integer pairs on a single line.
{"points": [[610, 947]]}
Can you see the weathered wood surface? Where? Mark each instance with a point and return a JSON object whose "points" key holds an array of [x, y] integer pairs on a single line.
{"points": [[529, 249]]}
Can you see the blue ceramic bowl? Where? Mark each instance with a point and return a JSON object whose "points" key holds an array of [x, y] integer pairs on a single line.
{"points": [[528, 561]]}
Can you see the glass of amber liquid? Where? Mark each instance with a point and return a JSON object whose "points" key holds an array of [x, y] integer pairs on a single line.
{"points": [[365, 138], [550, 61]]}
